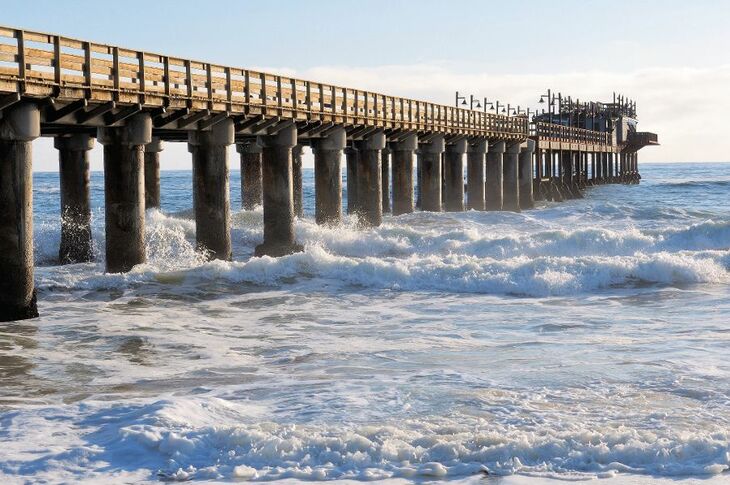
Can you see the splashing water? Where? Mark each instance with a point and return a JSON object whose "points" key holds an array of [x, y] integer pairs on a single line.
{"points": [[580, 340]]}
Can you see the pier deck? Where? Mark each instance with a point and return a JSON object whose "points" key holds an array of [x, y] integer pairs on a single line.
{"points": [[131, 102]]}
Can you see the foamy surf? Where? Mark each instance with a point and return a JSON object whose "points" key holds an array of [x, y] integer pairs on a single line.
{"points": [[579, 341], [206, 439], [405, 255]]}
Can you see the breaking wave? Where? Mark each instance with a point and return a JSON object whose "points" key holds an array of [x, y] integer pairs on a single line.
{"points": [[413, 253]]}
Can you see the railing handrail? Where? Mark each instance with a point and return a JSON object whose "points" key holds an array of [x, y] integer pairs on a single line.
{"points": [[559, 132], [106, 72]]}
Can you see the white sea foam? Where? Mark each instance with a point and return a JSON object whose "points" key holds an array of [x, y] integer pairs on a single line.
{"points": [[195, 438], [386, 353], [402, 255]]}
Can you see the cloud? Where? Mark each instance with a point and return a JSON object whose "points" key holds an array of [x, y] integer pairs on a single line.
{"points": [[685, 106]]}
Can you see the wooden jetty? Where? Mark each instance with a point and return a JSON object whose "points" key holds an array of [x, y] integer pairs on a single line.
{"points": [[132, 102]]}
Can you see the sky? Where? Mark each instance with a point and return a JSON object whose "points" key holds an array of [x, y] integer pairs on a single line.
{"points": [[670, 56]]}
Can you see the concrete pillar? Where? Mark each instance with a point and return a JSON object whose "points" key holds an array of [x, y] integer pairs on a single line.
{"points": [[73, 152], [620, 167], [557, 191], [443, 179], [152, 173], [593, 177], [19, 126], [430, 154], [351, 160], [419, 178], [511, 181], [628, 168], [566, 172], [328, 177], [402, 161], [278, 186], [493, 195], [251, 188], [604, 167], [612, 167], [296, 166], [124, 191], [369, 182], [537, 173], [454, 176], [211, 194], [385, 177], [476, 154], [526, 197], [634, 169]]}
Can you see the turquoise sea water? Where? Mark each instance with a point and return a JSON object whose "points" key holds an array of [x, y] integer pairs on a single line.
{"points": [[579, 340]]}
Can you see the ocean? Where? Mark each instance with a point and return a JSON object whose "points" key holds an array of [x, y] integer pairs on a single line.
{"points": [[580, 340]]}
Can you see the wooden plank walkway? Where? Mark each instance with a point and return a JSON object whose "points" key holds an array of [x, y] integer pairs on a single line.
{"points": [[40, 65]]}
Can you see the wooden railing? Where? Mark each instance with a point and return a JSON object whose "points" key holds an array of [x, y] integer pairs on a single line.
{"points": [[571, 134], [42, 65]]}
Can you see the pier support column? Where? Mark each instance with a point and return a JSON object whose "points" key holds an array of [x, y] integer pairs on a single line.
{"points": [[351, 161], [538, 169], [328, 177], [566, 173], [369, 179], [385, 176], [629, 169], [19, 126], [443, 180], [527, 200], [593, 179], [620, 168], [612, 161], [511, 181], [419, 178], [296, 166], [430, 156], [494, 196], [211, 199], [476, 154], [604, 167], [454, 176], [152, 173], [556, 178], [124, 191], [402, 161], [250, 174], [73, 152], [278, 186]]}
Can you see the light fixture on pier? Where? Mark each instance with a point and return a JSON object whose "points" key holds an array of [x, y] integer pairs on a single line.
{"points": [[473, 102]]}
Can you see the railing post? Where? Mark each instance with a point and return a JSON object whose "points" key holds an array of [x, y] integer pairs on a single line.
{"points": [[189, 82], [57, 60], [166, 80], [141, 76], [20, 38], [229, 89], [115, 73], [87, 68]]}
